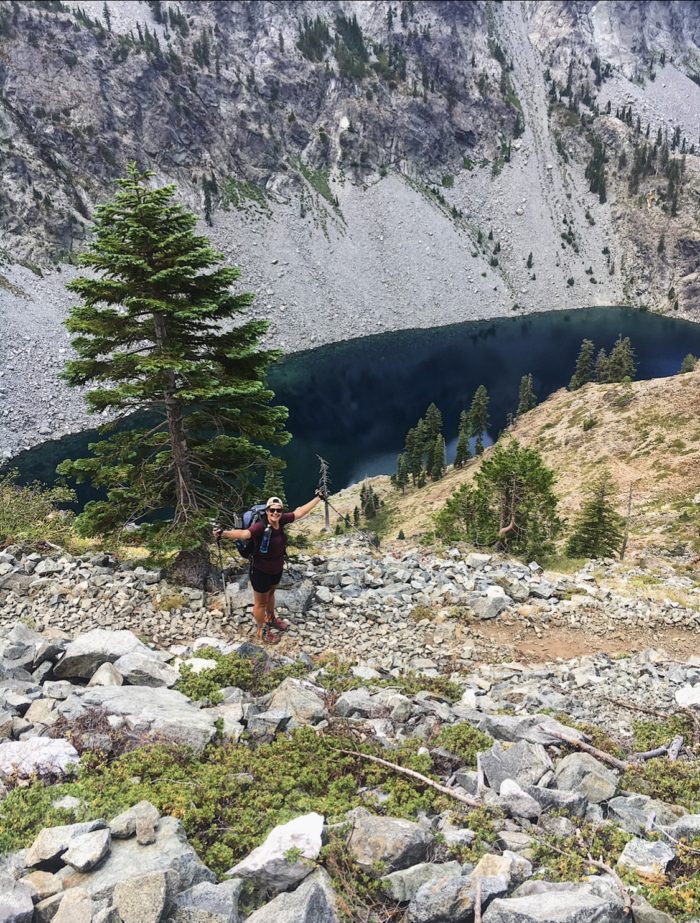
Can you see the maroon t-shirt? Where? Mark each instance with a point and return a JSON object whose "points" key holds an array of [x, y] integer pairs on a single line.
{"points": [[272, 562]]}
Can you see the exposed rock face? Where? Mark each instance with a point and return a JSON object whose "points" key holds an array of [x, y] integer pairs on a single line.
{"points": [[331, 174]]}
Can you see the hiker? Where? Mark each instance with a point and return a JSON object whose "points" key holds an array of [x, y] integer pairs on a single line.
{"points": [[266, 564]]}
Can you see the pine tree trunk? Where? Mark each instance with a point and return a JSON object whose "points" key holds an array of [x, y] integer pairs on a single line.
{"points": [[185, 499]]}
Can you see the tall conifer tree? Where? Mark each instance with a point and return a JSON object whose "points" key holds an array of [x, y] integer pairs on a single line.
{"points": [[585, 368], [526, 396], [479, 417], [621, 361], [462, 451], [148, 334]]}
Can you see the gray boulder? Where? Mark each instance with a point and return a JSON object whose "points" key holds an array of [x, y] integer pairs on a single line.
{"points": [[52, 842], [579, 904], [643, 912], [264, 726], [299, 699], [558, 799], [533, 728], [517, 802], [491, 604], [297, 598], [106, 675], [583, 773], [688, 826], [208, 903], [76, 906], [170, 853], [87, 850], [313, 901], [37, 756], [16, 904], [647, 859], [634, 811], [84, 655], [140, 669], [401, 886], [358, 703], [396, 844], [142, 899], [524, 762], [271, 865], [165, 712], [140, 818], [443, 899]]}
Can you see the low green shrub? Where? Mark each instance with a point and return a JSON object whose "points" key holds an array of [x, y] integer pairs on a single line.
{"points": [[250, 674], [464, 741], [229, 797], [32, 513], [677, 782]]}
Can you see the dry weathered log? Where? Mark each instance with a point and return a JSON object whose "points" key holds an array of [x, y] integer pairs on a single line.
{"points": [[412, 774], [601, 755]]}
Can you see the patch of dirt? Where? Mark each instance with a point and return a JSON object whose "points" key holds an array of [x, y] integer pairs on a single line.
{"points": [[567, 643]]}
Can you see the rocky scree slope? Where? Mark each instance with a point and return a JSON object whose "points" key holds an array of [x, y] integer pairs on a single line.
{"points": [[517, 790], [356, 179], [404, 609]]}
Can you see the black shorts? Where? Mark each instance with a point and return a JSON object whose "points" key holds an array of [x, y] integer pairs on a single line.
{"points": [[261, 582]]}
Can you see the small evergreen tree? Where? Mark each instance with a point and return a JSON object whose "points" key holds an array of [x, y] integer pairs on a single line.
{"points": [[601, 367], [356, 516], [414, 453], [511, 503], [148, 334], [479, 418], [462, 452], [689, 362], [439, 464], [432, 423], [599, 528], [621, 363], [529, 261], [585, 370], [400, 478], [526, 396]]}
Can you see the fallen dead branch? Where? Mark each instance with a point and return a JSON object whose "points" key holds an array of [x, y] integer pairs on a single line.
{"points": [[412, 774], [601, 755], [671, 750]]}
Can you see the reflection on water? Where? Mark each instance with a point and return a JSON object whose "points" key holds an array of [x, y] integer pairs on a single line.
{"points": [[353, 402]]}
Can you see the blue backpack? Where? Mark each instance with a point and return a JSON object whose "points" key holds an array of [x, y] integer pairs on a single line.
{"points": [[246, 546]]}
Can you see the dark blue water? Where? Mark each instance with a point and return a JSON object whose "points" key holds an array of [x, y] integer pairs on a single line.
{"points": [[353, 402]]}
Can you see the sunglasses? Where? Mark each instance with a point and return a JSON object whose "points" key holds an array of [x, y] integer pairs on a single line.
{"points": [[275, 509]]}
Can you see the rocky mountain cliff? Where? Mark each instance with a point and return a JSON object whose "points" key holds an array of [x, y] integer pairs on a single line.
{"points": [[369, 165]]}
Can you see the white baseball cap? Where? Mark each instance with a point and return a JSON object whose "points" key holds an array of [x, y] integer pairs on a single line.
{"points": [[273, 501]]}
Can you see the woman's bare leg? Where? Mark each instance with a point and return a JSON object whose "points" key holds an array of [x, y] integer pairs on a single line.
{"points": [[260, 610], [270, 603]]}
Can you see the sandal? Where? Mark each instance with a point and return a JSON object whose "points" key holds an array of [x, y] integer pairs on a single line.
{"points": [[269, 636], [278, 623]]}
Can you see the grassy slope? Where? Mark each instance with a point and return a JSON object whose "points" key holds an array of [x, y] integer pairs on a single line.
{"points": [[646, 434]]}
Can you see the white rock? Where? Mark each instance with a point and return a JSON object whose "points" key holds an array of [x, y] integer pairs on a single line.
{"points": [[36, 756], [688, 695], [287, 855]]}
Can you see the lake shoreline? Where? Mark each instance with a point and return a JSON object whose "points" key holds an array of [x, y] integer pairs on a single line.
{"points": [[352, 402]]}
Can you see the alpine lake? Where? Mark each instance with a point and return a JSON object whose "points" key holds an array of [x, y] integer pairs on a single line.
{"points": [[353, 402]]}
